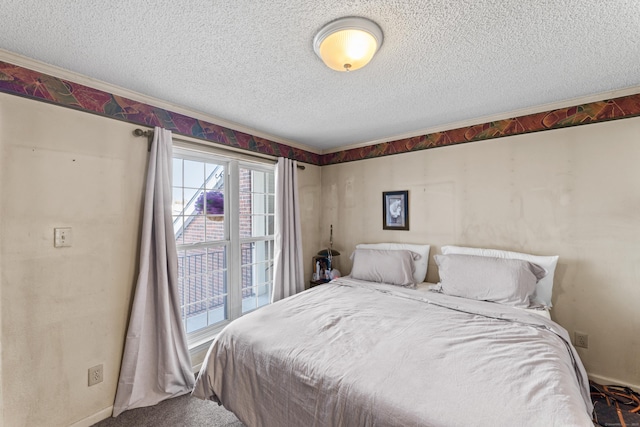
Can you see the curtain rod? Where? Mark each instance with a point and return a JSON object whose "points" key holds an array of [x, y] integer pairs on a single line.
{"points": [[149, 135]]}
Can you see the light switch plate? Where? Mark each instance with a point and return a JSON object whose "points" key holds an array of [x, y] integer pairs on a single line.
{"points": [[62, 237]]}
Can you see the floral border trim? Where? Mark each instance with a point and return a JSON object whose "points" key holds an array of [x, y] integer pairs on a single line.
{"points": [[593, 112], [21, 81], [24, 82]]}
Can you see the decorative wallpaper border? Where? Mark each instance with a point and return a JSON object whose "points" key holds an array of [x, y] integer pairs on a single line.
{"points": [[593, 112], [21, 81], [24, 82]]}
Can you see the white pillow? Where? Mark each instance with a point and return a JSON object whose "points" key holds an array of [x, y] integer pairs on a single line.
{"points": [[420, 265], [384, 266], [506, 281], [544, 288]]}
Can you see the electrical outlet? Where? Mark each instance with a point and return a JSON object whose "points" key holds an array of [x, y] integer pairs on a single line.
{"points": [[581, 340], [95, 375]]}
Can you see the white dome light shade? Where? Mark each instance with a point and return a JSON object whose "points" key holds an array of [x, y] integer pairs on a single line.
{"points": [[348, 43]]}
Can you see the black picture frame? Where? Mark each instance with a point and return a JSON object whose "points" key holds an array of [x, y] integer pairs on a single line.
{"points": [[395, 210]]}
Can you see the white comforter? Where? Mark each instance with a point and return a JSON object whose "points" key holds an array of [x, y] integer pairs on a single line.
{"points": [[352, 353]]}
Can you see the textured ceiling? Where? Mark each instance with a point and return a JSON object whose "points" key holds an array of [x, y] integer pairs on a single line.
{"points": [[252, 62]]}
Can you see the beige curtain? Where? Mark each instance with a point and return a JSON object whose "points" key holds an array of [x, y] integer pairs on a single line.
{"points": [[288, 276], [156, 363]]}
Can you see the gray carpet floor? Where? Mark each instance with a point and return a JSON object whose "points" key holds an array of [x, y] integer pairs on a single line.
{"points": [[183, 411]]}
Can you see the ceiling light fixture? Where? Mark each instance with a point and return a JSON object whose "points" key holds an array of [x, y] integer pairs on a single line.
{"points": [[348, 44]]}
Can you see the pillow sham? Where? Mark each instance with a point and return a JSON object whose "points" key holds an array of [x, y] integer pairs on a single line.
{"points": [[384, 266], [420, 264], [544, 287], [502, 280]]}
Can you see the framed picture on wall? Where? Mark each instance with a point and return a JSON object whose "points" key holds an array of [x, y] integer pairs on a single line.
{"points": [[395, 210]]}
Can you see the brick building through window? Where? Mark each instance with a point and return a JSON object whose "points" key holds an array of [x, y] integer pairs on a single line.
{"points": [[204, 248]]}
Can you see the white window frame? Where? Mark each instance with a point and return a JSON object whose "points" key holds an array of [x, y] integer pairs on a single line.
{"points": [[232, 238], [265, 238]]}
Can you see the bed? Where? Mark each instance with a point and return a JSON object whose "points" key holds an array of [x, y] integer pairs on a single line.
{"points": [[358, 352]]}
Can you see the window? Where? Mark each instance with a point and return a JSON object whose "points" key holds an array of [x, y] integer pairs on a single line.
{"points": [[256, 236], [223, 220]]}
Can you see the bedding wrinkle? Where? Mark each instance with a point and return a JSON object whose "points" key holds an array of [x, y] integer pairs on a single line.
{"points": [[352, 353]]}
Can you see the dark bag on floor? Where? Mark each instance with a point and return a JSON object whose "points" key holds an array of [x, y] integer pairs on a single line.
{"points": [[615, 405]]}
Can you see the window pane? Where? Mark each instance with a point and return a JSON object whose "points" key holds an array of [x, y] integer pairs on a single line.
{"points": [[245, 180], [178, 228], [193, 229], [245, 226], [248, 295], [217, 261], [178, 202], [246, 251], [189, 198], [255, 202], [257, 264], [214, 175], [270, 227], [271, 183], [256, 297], [258, 205], [202, 284], [177, 172], [217, 303], [218, 283], [193, 262], [246, 260], [211, 202], [257, 229], [262, 273], [264, 295], [245, 203], [261, 251], [202, 195], [191, 319], [258, 182], [217, 310], [271, 203], [214, 227], [194, 174], [249, 301], [192, 269], [247, 280]]}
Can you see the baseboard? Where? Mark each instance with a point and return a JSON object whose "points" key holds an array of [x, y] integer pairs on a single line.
{"points": [[95, 418], [600, 379]]}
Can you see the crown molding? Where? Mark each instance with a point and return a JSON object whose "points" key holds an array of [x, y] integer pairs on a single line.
{"points": [[633, 90], [621, 107], [61, 73]]}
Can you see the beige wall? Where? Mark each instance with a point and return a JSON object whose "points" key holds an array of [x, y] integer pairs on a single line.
{"points": [[64, 310], [573, 192]]}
